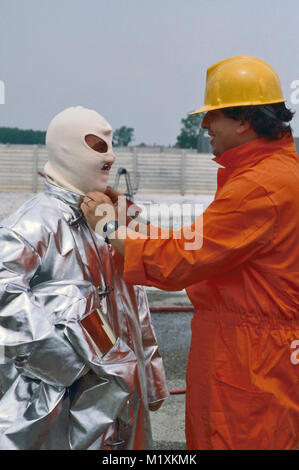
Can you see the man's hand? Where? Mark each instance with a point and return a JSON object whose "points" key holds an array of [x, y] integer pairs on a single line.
{"points": [[114, 195], [91, 201], [124, 210]]}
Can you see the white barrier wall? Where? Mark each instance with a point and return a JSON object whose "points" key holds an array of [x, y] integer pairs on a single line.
{"points": [[158, 170]]}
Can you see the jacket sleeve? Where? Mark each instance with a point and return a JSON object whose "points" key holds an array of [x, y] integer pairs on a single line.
{"points": [[240, 222], [136, 303], [37, 346], [155, 377]]}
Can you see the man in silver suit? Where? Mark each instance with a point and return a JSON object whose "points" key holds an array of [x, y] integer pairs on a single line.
{"points": [[80, 367]]}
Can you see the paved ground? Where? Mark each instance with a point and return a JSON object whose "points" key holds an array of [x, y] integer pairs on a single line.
{"points": [[173, 334]]}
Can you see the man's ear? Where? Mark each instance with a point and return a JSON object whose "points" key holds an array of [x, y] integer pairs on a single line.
{"points": [[243, 127]]}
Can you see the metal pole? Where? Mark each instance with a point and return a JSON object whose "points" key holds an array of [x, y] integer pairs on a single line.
{"points": [[135, 171], [183, 173], [35, 168]]}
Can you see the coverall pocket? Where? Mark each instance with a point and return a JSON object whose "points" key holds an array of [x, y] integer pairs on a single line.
{"points": [[241, 418]]}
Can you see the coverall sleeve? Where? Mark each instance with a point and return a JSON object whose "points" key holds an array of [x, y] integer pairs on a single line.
{"points": [[239, 223], [36, 346]]}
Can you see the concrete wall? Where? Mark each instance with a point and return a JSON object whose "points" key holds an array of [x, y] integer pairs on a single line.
{"points": [[152, 169], [157, 170]]}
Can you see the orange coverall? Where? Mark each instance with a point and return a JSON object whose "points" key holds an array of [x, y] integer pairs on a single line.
{"points": [[243, 368]]}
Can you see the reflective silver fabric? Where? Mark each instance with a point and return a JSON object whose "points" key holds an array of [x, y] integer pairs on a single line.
{"points": [[56, 392]]}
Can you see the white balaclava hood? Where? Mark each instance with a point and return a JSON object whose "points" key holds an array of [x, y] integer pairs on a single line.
{"points": [[72, 164]]}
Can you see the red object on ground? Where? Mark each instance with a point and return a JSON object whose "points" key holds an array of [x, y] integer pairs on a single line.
{"points": [[186, 308], [177, 391]]}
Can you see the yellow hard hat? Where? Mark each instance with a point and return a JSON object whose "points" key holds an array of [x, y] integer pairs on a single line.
{"points": [[240, 81]]}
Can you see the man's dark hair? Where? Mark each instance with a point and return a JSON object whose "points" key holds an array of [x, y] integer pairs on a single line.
{"points": [[270, 121]]}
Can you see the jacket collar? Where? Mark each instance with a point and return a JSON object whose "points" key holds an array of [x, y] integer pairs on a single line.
{"points": [[70, 198], [247, 155]]}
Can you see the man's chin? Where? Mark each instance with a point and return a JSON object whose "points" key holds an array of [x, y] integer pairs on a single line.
{"points": [[216, 151]]}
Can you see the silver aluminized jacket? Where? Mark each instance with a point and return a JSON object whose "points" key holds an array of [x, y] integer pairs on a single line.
{"points": [[56, 392]]}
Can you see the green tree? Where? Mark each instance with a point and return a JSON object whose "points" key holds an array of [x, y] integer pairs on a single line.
{"points": [[190, 132], [123, 136], [14, 135]]}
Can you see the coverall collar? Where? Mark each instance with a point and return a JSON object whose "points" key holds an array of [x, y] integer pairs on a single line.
{"points": [[247, 155]]}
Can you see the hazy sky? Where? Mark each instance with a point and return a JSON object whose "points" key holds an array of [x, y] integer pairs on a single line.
{"points": [[139, 63]]}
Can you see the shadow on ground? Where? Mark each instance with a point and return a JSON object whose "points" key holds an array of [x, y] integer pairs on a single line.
{"points": [[173, 334]]}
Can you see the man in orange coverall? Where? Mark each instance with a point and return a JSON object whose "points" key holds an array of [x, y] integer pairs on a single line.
{"points": [[243, 367]]}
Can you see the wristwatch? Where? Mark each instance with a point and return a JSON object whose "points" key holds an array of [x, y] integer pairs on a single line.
{"points": [[110, 227]]}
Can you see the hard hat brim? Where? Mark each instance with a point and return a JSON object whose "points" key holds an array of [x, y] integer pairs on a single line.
{"points": [[206, 108]]}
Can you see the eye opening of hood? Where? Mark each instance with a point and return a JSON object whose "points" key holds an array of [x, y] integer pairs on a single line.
{"points": [[96, 143]]}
